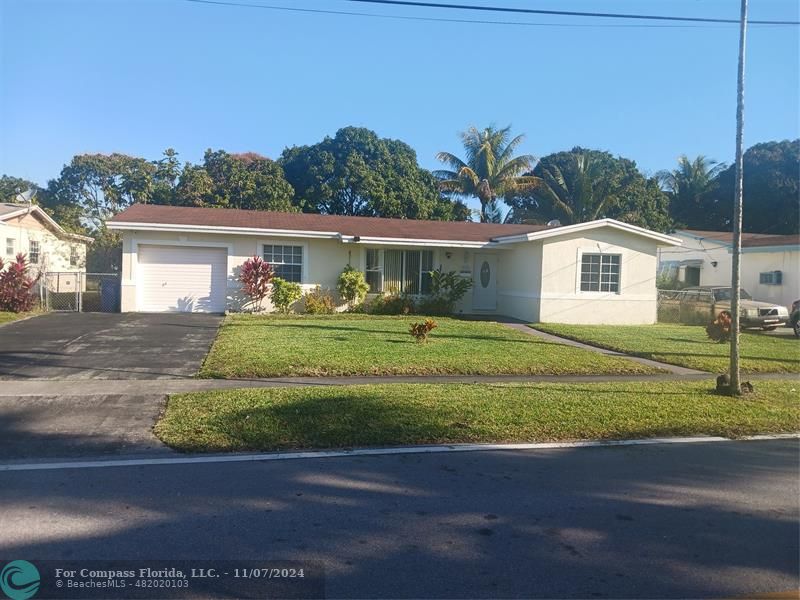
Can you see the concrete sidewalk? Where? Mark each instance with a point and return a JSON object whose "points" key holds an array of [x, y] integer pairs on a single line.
{"points": [[674, 369]]}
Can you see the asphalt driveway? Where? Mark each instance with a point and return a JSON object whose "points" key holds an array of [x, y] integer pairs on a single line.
{"points": [[84, 346]]}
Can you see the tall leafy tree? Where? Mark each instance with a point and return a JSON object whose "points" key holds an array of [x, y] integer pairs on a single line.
{"points": [[248, 181], [101, 185], [584, 185], [358, 173], [11, 186], [771, 190], [690, 186], [165, 177], [489, 170]]}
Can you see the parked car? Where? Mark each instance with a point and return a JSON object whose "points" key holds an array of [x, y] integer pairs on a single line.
{"points": [[711, 300], [794, 318]]}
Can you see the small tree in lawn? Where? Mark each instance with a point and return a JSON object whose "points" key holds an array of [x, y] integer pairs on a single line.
{"points": [[255, 277], [16, 286]]}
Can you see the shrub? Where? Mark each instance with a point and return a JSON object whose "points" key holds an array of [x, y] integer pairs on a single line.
{"points": [[719, 329], [352, 286], [447, 288], [16, 286], [392, 305], [420, 331], [319, 302], [434, 305], [284, 294], [255, 276]]}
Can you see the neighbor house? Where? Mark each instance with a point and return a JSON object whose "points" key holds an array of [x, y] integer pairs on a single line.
{"points": [[27, 229], [769, 263], [188, 259]]}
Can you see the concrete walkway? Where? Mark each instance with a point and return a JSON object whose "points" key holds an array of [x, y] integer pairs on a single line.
{"points": [[162, 387], [561, 340]]}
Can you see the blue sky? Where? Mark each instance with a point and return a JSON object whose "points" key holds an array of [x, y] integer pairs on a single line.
{"points": [[140, 76]]}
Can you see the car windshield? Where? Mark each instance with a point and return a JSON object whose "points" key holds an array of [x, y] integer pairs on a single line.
{"points": [[722, 294]]}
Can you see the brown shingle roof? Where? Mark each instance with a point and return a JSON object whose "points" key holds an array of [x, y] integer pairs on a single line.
{"points": [[361, 226], [772, 240], [726, 237]]}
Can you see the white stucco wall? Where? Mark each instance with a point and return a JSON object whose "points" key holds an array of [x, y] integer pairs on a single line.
{"points": [[54, 252], [323, 259], [519, 281], [761, 260], [536, 281], [561, 300], [707, 251]]}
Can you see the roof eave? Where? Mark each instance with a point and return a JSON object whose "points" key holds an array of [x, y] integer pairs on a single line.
{"points": [[662, 239]]}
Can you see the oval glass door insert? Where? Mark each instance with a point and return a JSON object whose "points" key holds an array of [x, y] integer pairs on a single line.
{"points": [[486, 274]]}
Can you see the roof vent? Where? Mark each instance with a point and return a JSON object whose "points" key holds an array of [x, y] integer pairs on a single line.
{"points": [[554, 223]]}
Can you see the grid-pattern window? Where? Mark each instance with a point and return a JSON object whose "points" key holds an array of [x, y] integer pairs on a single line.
{"points": [[286, 261], [9, 246], [600, 273], [73, 256], [771, 278], [33, 252]]}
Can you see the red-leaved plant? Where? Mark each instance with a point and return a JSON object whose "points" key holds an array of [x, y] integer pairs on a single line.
{"points": [[255, 277], [16, 286]]}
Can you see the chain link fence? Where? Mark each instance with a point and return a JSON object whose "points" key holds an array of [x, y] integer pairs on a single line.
{"points": [[691, 307], [80, 292]]}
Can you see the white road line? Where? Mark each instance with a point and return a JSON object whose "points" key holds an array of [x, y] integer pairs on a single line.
{"points": [[228, 458]]}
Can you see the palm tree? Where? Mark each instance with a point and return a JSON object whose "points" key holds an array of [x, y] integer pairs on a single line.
{"points": [[689, 185], [580, 192], [490, 169]]}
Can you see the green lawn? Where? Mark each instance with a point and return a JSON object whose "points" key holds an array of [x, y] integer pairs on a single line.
{"points": [[385, 415], [7, 317], [271, 346], [688, 346]]}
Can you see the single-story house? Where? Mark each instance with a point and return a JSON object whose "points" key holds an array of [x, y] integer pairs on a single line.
{"points": [[187, 259], [770, 263], [27, 229]]}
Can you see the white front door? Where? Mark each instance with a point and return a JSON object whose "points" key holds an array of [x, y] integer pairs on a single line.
{"points": [[484, 282], [182, 279]]}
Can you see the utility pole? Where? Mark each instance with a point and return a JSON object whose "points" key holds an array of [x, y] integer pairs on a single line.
{"points": [[736, 274]]}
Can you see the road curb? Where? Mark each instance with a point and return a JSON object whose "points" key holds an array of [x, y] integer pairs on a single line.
{"points": [[400, 450]]}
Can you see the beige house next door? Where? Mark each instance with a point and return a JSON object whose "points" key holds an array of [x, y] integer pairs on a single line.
{"points": [[484, 282]]}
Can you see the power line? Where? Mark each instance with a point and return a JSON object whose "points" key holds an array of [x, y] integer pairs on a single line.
{"points": [[236, 4], [568, 13]]}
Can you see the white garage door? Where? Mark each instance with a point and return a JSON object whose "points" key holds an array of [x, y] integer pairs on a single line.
{"points": [[182, 279]]}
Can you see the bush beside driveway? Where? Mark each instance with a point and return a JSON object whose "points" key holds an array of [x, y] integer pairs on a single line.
{"points": [[337, 345], [687, 346], [400, 414]]}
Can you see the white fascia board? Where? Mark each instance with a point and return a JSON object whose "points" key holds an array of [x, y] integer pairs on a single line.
{"points": [[385, 241], [664, 240], [124, 226]]}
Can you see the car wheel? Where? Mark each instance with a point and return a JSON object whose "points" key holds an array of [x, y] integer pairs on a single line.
{"points": [[797, 329]]}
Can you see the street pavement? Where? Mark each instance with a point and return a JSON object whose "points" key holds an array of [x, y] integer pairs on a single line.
{"points": [[659, 521]]}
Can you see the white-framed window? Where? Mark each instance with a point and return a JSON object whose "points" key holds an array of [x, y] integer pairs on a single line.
{"points": [[33, 252], [10, 250], [600, 272], [399, 271], [286, 261], [74, 258], [771, 278]]}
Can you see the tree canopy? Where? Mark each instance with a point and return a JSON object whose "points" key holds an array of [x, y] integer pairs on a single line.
{"points": [[690, 187], [583, 185], [490, 171], [358, 173], [771, 190]]}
